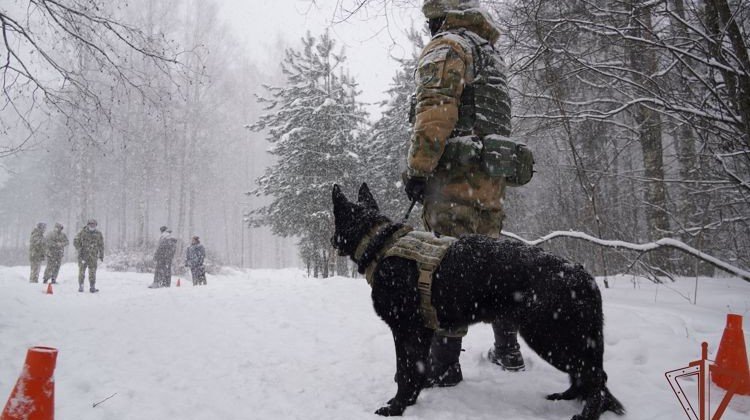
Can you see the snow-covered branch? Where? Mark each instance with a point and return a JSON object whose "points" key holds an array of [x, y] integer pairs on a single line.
{"points": [[640, 248]]}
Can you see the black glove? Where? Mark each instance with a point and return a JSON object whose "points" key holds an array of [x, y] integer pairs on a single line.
{"points": [[415, 187]]}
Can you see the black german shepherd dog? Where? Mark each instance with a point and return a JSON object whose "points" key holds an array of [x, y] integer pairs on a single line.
{"points": [[556, 304]]}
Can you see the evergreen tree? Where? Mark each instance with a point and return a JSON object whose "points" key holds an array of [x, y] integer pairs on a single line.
{"points": [[313, 126]]}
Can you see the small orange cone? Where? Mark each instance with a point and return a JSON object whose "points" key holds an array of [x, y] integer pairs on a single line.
{"points": [[33, 397], [49, 291], [732, 358], [178, 282]]}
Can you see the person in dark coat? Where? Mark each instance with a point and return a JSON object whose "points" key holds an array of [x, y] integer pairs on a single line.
{"points": [[163, 256], [194, 257]]}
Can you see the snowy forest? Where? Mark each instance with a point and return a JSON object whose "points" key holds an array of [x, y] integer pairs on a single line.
{"points": [[151, 114]]}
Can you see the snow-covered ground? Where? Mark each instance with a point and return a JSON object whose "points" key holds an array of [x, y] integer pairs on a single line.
{"points": [[273, 344]]}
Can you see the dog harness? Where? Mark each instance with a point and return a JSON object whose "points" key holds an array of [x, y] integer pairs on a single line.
{"points": [[424, 248]]}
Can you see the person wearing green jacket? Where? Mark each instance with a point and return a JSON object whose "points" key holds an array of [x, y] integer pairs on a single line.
{"points": [[89, 244], [56, 242], [37, 250]]}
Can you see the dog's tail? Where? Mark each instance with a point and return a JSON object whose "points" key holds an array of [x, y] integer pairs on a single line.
{"points": [[611, 403]]}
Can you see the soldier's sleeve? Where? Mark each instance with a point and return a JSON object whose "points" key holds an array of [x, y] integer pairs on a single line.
{"points": [[440, 81], [100, 240]]}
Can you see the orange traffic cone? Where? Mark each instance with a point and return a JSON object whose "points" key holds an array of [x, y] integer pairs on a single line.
{"points": [[33, 397], [178, 282], [49, 288], [731, 359]]}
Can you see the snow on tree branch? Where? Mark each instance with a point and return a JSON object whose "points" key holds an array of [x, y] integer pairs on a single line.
{"points": [[641, 248]]}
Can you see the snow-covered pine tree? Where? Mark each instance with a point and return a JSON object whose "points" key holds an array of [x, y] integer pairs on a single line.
{"points": [[390, 137], [313, 124]]}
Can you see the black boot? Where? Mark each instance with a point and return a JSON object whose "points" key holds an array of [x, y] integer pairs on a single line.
{"points": [[506, 351], [445, 369]]}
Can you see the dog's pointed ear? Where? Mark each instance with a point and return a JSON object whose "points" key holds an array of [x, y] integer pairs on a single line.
{"points": [[366, 198], [337, 196]]}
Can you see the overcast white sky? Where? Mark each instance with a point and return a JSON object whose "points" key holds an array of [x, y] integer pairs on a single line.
{"points": [[370, 38]]}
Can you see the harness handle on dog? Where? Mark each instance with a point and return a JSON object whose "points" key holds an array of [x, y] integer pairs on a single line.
{"points": [[408, 212]]}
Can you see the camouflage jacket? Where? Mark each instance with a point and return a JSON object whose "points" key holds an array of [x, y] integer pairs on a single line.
{"points": [[37, 248], [89, 244], [445, 67], [56, 243]]}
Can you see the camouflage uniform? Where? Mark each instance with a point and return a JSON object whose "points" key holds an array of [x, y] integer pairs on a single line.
{"points": [[461, 102], [460, 197], [36, 251], [90, 246], [56, 243]]}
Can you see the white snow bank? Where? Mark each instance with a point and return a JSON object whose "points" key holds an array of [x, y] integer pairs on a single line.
{"points": [[273, 344]]}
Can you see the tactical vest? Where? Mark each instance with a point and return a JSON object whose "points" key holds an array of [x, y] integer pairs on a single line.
{"points": [[425, 249], [485, 104], [480, 134]]}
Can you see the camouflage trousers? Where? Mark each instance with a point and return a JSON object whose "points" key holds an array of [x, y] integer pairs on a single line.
{"points": [[91, 264], [36, 267], [454, 219], [52, 269]]}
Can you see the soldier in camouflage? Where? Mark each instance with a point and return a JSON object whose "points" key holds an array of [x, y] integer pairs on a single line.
{"points": [[36, 251], [461, 102], [89, 244], [56, 243]]}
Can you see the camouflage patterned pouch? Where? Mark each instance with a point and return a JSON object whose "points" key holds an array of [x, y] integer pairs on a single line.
{"points": [[461, 151], [502, 157]]}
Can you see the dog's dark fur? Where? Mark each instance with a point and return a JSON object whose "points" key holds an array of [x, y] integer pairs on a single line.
{"points": [[556, 304]]}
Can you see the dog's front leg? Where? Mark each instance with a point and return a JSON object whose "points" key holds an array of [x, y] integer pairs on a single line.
{"points": [[412, 351]]}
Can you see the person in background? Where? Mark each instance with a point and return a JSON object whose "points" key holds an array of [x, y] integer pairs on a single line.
{"points": [[89, 243], [37, 249], [163, 256], [194, 257], [56, 242]]}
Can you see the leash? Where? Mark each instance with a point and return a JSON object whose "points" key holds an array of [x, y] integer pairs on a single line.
{"points": [[408, 212]]}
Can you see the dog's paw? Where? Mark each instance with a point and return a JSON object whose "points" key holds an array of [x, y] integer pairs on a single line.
{"points": [[390, 410], [567, 395], [561, 396]]}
